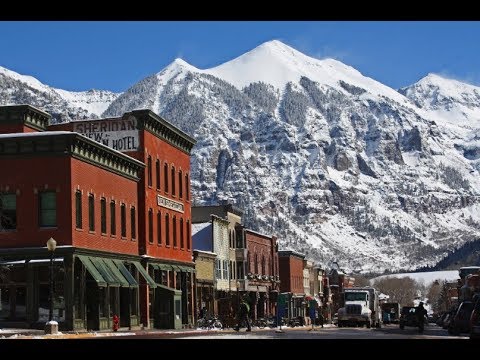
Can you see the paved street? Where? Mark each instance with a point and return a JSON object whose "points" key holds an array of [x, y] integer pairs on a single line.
{"points": [[328, 332]]}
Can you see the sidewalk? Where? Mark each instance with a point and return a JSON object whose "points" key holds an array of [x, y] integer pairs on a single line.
{"points": [[39, 334]]}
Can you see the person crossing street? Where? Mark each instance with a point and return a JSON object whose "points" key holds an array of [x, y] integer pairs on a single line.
{"points": [[243, 314]]}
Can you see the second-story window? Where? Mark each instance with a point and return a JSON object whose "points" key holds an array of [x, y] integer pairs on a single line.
{"points": [[157, 173], [180, 184], [182, 240], [133, 222], [8, 211], [189, 239], [218, 269], [165, 176], [174, 225], [149, 169], [91, 212], [48, 209], [113, 224], [187, 188], [159, 228], [173, 179], [225, 269], [78, 209], [167, 230], [103, 215], [123, 220], [150, 226]]}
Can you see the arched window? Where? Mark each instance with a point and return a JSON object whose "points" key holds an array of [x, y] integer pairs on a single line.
{"points": [[173, 179], [189, 239], [167, 230], [157, 173], [187, 188], [149, 170], [255, 263], [263, 265], [159, 228], [182, 240], [174, 225], [165, 175], [180, 184]]}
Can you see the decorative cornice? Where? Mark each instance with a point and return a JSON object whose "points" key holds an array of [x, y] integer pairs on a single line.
{"points": [[153, 123], [73, 144], [25, 114]]}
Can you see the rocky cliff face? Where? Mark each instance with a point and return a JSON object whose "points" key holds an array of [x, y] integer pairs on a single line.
{"points": [[337, 165]]}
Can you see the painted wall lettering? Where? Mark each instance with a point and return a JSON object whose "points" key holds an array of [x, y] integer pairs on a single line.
{"points": [[169, 204], [119, 134]]}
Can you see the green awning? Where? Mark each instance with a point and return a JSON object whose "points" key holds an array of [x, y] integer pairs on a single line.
{"points": [[186, 268], [114, 269], [92, 270], [105, 271], [131, 280], [145, 275], [176, 268], [164, 267], [175, 291], [154, 266]]}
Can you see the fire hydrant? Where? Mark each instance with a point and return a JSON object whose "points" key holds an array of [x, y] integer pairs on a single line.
{"points": [[116, 322]]}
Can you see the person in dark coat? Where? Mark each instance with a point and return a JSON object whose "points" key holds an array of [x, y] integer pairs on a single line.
{"points": [[420, 312], [243, 314]]}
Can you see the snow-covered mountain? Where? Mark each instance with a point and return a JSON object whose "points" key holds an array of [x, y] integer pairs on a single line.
{"points": [[63, 105], [336, 164]]}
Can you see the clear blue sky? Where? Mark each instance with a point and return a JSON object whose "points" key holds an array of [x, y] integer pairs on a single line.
{"points": [[114, 55]]}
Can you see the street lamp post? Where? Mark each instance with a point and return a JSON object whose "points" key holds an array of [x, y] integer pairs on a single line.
{"points": [[51, 327]]}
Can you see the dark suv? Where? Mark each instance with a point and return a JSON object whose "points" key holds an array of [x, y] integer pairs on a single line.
{"points": [[408, 317]]}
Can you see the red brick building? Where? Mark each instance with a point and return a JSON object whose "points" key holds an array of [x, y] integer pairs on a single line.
{"points": [[291, 275], [262, 273], [119, 209]]}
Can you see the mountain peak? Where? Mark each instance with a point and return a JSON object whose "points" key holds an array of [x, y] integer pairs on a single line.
{"points": [[177, 67], [277, 64], [443, 81]]}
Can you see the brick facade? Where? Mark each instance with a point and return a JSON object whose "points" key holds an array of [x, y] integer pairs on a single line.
{"points": [[116, 174]]}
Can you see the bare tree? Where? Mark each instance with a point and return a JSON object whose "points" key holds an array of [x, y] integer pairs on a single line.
{"points": [[434, 296], [402, 290], [361, 281]]}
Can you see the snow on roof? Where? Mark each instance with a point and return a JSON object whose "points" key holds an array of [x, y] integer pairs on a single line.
{"points": [[34, 134], [202, 236], [426, 277]]}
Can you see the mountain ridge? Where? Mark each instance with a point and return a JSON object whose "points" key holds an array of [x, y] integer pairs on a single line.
{"points": [[335, 164]]}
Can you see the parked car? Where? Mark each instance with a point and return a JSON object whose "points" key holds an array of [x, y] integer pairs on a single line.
{"points": [[475, 321], [460, 322]]}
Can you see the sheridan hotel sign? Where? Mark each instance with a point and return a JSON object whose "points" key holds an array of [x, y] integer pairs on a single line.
{"points": [[169, 204]]}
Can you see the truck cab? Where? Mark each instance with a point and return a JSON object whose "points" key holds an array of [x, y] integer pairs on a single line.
{"points": [[356, 310]]}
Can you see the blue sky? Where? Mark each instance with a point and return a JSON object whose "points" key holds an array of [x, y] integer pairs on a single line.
{"points": [[113, 55]]}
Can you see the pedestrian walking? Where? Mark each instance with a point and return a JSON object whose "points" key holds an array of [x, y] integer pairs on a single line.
{"points": [[243, 314]]}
